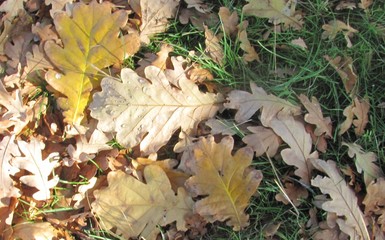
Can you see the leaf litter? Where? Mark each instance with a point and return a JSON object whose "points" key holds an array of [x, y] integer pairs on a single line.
{"points": [[101, 154]]}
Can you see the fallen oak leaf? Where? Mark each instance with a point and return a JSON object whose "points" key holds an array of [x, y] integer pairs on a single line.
{"points": [[345, 69], [40, 169], [147, 113], [213, 46], [262, 140], [248, 103], [360, 110], [343, 200], [223, 180], [91, 43], [365, 162], [250, 53], [229, 21], [154, 17], [277, 11], [315, 116], [135, 209], [334, 27], [374, 201], [299, 154]]}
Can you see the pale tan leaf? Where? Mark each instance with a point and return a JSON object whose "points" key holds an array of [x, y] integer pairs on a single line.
{"points": [[356, 114], [315, 116], [36, 60], [222, 126], [250, 53], [155, 15], [345, 69], [299, 154], [229, 21], [223, 180], [248, 104], [8, 150], [12, 8], [213, 46], [262, 140], [277, 11], [343, 200], [135, 209], [163, 60], [365, 162], [145, 112], [40, 169]]}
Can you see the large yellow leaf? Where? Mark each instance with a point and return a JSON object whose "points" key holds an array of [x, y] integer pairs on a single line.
{"points": [[145, 112], [136, 208], [91, 43], [225, 181]]}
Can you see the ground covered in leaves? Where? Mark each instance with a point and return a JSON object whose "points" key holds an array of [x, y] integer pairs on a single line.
{"points": [[192, 119]]}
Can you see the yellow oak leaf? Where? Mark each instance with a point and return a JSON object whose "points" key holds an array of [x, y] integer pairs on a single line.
{"points": [[225, 181], [91, 43], [135, 208]]}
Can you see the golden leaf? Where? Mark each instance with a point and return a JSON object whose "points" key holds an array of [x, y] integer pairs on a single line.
{"points": [[91, 43], [225, 181], [136, 208]]}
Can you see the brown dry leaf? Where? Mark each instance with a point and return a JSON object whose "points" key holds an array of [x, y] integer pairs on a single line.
{"points": [[163, 60], [148, 113], [154, 17], [343, 200], [199, 75], [91, 43], [8, 150], [57, 5], [319, 141], [229, 21], [315, 116], [277, 11], [294, 134], [365, 162], [135, 209], [36, 60], [365, 4], [33, 231], [15, 50], [199, 5], [270, 229], [360, 110], [336, 26], [198, 19], [250, 53], [40, 169], [296, 194], [177, 178], [213, 46], [262, 140], [223, 180], [16, 114], [345, 69], [374, 201], [249, 103]]}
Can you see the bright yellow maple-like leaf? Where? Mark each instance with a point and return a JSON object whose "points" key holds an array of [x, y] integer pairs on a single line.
{"points": [[136, 208], [91, 42], [225, 181]]}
